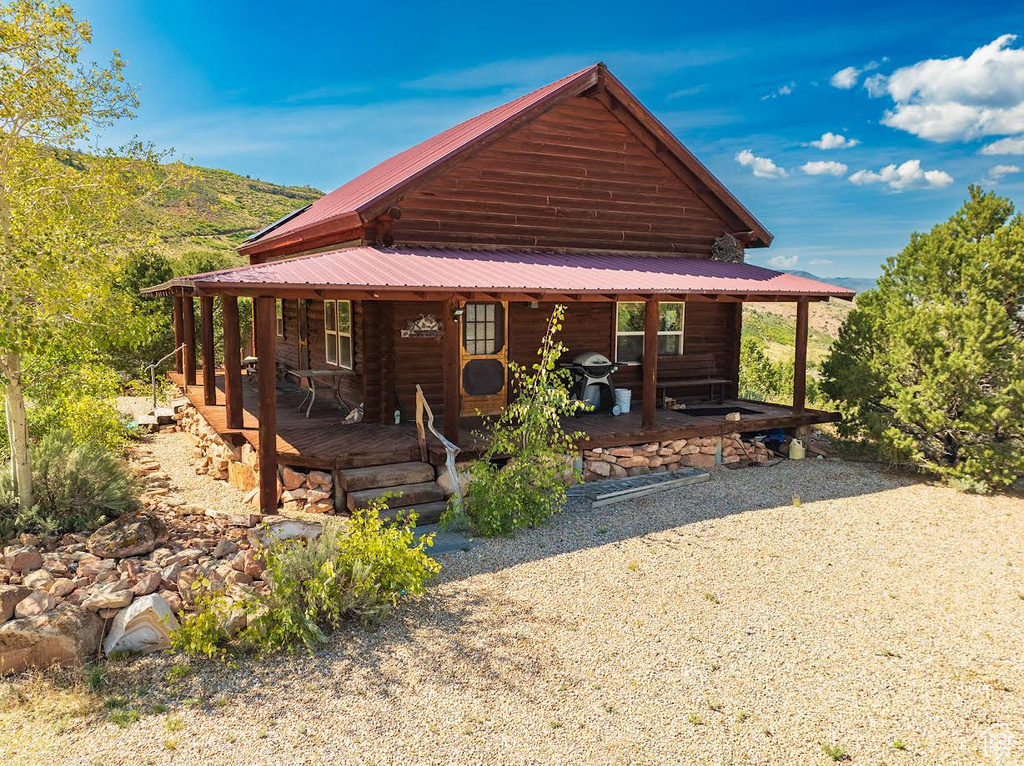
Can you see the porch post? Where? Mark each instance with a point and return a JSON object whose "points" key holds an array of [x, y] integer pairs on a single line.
{"points": [[450, 371], [232, 362], [650, 363], [179, 336], [189, 329], [266, 337], [800, 359], [209, 358]]}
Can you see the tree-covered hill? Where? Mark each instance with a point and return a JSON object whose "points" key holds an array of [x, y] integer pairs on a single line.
{"points": [[217, 209]]}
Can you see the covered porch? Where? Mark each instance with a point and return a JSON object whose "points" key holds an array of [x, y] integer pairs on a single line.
{"points": [[325, 442], [380, 283]]}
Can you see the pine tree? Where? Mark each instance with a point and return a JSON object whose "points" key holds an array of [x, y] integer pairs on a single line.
{"points": [[930, 364]]}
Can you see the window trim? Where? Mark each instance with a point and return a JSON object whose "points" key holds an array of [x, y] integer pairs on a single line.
{"points": [[279, 316], [333, 337], [634, 333]]}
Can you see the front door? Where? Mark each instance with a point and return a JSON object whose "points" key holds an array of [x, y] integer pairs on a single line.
{"points": [[484, 356]]}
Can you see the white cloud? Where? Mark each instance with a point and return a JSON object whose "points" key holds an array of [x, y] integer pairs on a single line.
{"points": [[782, 90], [762, 167], [909, 175], [822, 262], [834, 141], [998, 171], [820, 168], [845, 78], [958, 98], [783, 262], [1005, 146]]}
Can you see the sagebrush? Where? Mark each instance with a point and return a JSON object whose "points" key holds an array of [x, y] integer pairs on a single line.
{"points": [[358, 569], [78, 487]]}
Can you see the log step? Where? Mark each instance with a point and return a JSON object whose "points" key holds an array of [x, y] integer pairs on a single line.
{"points": [[411, 494], [426, 513], [392, 475]]}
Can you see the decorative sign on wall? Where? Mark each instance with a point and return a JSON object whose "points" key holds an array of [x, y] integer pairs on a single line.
{"points": [[427, 326]]}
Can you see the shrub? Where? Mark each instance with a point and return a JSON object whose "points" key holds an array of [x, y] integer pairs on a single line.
{"points": [[930, 365], [77, 488], [520, 481], [354, 570]]}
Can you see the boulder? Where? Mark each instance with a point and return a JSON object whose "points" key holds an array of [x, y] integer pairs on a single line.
{"points": [[131, 535], [292, 479], [10, 595], [143, 627], [108, 600], [67, 634], [22, 558], [64, 586], [36, 602], [147, 583], [224, 548], [280, 528], [39, 579]]}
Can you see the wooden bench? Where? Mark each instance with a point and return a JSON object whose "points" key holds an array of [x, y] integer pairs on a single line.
{"points": [[690, 371]]}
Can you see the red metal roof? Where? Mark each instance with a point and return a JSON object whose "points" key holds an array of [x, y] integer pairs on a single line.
{"points": [[405, 268], [342, 209]]}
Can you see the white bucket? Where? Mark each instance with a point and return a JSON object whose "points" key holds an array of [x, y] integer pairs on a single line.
{"points": [[622, 398]]}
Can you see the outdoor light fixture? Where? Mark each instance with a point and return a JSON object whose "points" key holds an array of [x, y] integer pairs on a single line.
{"points": [[457, 313], [534, 304]]}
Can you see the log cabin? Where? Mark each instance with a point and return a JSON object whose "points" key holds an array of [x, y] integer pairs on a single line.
{"points": [[436, 269]]}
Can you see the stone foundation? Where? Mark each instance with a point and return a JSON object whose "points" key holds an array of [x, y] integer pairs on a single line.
{"points": [[698, 452], [299, 489]]}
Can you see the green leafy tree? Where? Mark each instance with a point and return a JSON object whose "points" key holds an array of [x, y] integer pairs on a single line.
{"points": [[520, 480], [931, 363], [66, 218]]}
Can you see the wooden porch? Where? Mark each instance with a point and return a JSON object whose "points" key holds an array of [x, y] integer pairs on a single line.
{"points": [[325, 442]]}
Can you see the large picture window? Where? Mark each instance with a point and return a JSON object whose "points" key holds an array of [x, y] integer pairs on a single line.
{"points": [[338, 333], [629, 330]]}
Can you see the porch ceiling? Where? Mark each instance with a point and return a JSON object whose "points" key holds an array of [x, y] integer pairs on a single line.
{"points": [[416, 272]]}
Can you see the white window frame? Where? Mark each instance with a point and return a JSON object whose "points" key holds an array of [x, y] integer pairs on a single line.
{"points": [[625, 333], [332, 337], [279, 314]]}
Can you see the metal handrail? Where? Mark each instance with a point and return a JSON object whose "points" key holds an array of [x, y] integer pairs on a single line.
{"points": [[450, 449], [152, 371]]}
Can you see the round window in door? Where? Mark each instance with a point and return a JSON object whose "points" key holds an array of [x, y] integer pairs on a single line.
{"points": [[483, 358]]}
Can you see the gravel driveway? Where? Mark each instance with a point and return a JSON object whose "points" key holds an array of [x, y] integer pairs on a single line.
{"points": [[722, 623]]}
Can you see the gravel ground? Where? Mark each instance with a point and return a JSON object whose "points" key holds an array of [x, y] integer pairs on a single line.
{"points": [[722, 622]]}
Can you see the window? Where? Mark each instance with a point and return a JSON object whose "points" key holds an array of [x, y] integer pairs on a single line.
{"points": [[629, 331], [338, 333], [279, 310], [484, 331]]}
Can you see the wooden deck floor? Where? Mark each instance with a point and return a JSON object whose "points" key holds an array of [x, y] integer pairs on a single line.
{"points": [[324, 441]]}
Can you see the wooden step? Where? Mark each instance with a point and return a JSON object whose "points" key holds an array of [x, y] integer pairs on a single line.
{"points": [[411, 494], [426, 513], [392, 475]]}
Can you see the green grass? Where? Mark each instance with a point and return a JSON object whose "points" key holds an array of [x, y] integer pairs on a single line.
{"points": [[835, 752], [694, 719], [899, 745], [124, 717], [178, 673]]}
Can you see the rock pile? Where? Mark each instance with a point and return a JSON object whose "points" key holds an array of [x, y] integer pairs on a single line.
{"points": [[698, 452], [298, 490], [129, 579]]}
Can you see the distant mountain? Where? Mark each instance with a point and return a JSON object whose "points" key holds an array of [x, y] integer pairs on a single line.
{"points": [[857, 284]]}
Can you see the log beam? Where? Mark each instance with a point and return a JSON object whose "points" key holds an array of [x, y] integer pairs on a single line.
{"points": [[188, 325], [232, 362], [209, 357], [266, 350], [650, 363], [800, 358], [450, 370], [179, 335]]}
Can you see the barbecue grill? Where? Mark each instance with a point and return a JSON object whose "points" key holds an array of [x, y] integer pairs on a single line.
{"points": [[592, 379]]}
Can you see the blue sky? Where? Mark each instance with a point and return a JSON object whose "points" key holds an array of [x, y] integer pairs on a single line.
{"points": [[314, 93]]}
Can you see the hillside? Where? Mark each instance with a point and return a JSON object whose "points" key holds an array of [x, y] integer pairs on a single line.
{"points": [[218, 209], [857, 284]]}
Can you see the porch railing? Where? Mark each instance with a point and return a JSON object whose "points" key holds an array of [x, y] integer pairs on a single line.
{"points": [[450, 449]]}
